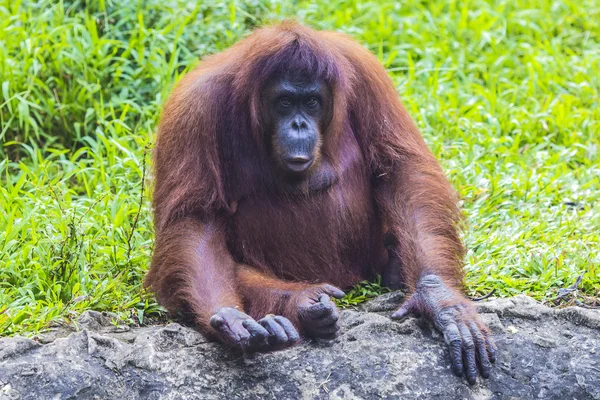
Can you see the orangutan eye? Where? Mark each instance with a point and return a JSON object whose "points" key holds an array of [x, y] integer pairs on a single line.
{"points": [[312, 102], [285, 102]]}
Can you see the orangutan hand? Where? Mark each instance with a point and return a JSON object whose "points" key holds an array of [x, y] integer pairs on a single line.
{"points": [[468, 338], [238, 330], [317, 313]]}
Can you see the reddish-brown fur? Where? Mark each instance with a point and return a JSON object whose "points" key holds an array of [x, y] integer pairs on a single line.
{"points": [[229, 234]]}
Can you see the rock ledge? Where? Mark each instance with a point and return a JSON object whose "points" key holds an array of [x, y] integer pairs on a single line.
{"points": [[543, 353]]}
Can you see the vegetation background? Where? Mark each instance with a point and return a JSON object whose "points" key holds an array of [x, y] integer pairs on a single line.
{"points": [[506, 93]]}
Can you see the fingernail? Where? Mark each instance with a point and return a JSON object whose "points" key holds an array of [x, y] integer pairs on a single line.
{"points": [[401, 313]]}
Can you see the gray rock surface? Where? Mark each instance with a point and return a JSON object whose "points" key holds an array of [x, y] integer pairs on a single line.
{"points": [[543, 354]]}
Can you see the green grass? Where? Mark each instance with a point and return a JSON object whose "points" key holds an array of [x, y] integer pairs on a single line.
{"points": [[505, 92], [362, 292]]}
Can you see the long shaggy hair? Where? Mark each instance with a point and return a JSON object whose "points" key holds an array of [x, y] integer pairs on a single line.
{"points": [[219, 202]]}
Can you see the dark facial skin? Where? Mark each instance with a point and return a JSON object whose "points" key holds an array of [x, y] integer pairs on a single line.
{"points": [[299, 111]]}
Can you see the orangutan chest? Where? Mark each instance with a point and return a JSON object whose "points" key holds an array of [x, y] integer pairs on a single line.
{"points": [[275, 234]]}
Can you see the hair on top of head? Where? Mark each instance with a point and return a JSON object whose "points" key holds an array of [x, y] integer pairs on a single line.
{"points": [[278, 49]]}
